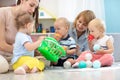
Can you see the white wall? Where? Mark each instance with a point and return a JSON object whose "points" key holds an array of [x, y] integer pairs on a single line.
{"points": [[70, 8]]}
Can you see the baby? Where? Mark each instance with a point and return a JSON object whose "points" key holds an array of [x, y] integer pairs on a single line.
{"points": [[61, 26], [101, 46]]}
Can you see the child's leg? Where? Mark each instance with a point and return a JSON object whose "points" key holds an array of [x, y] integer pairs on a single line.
{"points": [[21, 70], [106, 60], [82, 56], [34, 70]]}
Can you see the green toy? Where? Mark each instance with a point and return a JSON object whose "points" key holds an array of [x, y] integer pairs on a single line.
{"points": [[51, 49]]}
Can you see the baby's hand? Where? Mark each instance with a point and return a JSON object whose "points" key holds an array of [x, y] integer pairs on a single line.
{"points": [[41, 37], [101, 51]]}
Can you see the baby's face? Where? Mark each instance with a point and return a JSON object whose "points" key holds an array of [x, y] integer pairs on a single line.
{"points": [[94, 31], [30, 27], [61, 28]]}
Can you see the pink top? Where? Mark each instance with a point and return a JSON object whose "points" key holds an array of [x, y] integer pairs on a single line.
{"points": [[7, 17]]}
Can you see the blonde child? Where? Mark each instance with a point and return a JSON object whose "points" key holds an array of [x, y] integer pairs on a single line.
{"points": [[23, 60], [103, 55], [61, 26]]}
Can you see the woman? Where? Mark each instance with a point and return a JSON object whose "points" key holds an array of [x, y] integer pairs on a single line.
{"points": [[7, 26], [79, 30]]}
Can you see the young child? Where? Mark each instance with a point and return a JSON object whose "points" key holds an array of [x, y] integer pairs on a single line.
{"points": [[102, 54], [23, 60], [61, 26]]}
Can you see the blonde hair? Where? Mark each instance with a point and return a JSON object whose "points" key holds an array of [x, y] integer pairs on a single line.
{"points": [[64, 21], [87, 15], [99, 24], [23, 19]]}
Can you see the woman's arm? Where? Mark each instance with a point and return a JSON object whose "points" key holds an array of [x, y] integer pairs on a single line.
{"points": [[4, 46]]}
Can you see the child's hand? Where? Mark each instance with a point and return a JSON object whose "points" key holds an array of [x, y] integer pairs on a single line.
{"points": [[65, 48], [41, 37], [101, 51]]}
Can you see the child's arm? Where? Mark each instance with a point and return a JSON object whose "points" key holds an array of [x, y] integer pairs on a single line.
{"points": [[71, 51], [32, 46], [109, 50]]}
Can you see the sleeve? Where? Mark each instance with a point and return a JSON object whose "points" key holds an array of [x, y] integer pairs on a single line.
{"points": [[73, 43], [23, 39]]}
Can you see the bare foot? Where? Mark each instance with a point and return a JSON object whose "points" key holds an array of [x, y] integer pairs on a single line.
{"points": [[35, 69], [20, 71]]}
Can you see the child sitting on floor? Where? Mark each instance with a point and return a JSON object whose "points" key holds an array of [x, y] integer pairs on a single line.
{"points": [[61, 26], [103, 52], [23, 60]]}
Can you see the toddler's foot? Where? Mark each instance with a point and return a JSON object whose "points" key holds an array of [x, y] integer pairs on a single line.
{"points": [[34, 70], [75, 65], [20, 71], [67, 64]]}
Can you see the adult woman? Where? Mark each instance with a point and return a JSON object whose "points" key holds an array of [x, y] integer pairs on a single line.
{"points": [[7, 26], [79, 30]]}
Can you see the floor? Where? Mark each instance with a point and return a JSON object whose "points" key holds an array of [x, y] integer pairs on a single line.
{"points": [[58, 73]]}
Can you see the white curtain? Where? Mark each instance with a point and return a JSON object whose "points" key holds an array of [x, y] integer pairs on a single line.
{"points": [[70, 8]]}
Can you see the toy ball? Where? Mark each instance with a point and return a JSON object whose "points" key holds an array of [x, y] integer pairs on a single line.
{"points": [[82, 64], [67, 64], [4, 66], [96, 64], [96, 47], [89, 64], [90, 37], [88, 56]]}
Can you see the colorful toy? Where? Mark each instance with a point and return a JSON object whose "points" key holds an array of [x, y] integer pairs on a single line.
{"points": [[51, 49], [96, 47], [57, 36], [96, 64], [82, 64], [89, 64], [88, 56], [90, 37]]}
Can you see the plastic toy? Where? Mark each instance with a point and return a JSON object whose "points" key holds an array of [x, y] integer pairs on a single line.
{"points": [[96, 47], [88, 56], [82, 64], [89, 64], [96, 64], [51, 49], [57, 36], [90, 37]]}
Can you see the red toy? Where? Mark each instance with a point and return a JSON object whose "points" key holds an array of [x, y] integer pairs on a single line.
{"points": [[90, 37]]}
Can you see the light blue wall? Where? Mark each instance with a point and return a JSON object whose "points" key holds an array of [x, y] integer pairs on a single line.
{"points": [[112, 15]]}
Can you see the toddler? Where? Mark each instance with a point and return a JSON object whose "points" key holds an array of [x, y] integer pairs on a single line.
{"points": [[23, 60], [101, 47], [61, 26]]}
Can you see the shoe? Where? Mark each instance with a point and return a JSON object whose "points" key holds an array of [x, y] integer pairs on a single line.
{"points": [[67, 64]]}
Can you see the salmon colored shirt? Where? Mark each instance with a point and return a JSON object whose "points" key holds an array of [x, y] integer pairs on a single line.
{"points": [[7, 17]]}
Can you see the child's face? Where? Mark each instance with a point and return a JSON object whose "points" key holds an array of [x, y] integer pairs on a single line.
{"points": [[81, 25], [94, 31], [61, 28], [30, 27]]}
